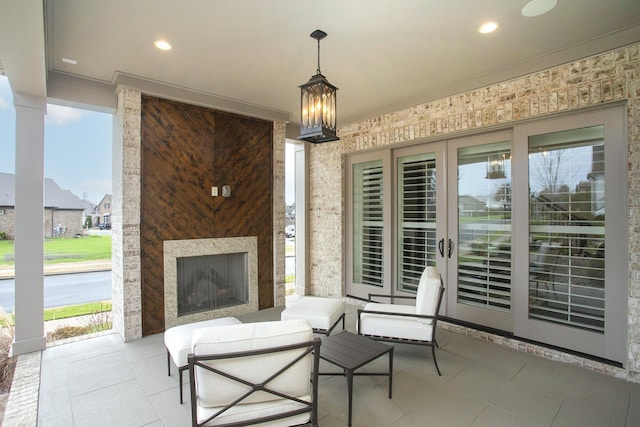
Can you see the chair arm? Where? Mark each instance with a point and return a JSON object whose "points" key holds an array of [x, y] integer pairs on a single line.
{"points": [[391, 297], [388, 313]]}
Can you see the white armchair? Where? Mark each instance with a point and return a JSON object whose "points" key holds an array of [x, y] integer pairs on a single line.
{"points": [[255, 373], [410, 324]]}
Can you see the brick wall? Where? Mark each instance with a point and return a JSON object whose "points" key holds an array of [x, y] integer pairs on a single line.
{"points": [[8, 222], [607, 77]]}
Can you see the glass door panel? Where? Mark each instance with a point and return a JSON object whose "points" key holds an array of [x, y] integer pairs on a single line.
{"points": [[480, 245], [484, 226], [416, 213], [567, 228], [368, 226]]}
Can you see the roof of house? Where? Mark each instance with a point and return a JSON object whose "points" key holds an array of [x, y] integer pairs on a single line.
{"points": [[54, 196]]}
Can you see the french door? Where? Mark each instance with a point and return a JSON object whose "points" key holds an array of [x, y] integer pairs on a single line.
{"points": [[396, 219], [527, 227]]}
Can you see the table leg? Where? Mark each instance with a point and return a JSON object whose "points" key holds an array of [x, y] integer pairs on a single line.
{"points": [[390, 372], [349, 374]]}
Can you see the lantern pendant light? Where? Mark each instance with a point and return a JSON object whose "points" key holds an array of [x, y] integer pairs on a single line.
{"points": [[318, 105]]}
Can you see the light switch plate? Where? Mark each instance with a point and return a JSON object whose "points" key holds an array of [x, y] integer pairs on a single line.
{"points": [[214, 191]]}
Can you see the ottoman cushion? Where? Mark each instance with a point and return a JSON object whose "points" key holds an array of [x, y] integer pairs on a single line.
{"points": [[178, 338], [322, 313]]}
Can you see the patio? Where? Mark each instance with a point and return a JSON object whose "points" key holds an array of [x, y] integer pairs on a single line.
{"points": [[102, 381]]}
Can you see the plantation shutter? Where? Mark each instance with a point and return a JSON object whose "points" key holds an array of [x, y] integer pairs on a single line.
{"points": [[368, 223], [416, 218]]}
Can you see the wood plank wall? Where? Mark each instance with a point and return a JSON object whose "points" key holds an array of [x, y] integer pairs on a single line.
{"points": [[185, 151]]}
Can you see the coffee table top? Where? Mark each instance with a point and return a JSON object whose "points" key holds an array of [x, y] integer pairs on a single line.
{"points": [[350, 351]]}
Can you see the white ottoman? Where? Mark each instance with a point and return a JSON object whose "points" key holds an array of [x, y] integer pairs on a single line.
{"points": [[322, 313], [177, 340]]}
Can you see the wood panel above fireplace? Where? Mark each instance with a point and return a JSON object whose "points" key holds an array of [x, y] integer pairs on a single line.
{"points": [[186, 150]]}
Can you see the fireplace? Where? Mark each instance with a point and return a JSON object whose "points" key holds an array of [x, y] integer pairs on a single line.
{"points": [[210, 282], [209, 278]]}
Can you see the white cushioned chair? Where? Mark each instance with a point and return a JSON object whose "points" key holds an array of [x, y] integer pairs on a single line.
{"points": [[255, 373], [410, 324]]}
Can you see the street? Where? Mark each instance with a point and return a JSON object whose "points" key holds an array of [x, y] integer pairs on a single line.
{"points": [[64, 289]]}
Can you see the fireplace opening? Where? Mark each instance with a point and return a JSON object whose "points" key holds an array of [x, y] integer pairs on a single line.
{"points": [[210, 282]]}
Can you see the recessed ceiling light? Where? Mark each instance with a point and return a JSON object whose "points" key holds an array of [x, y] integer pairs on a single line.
{"points": [[69, 61], [162, 45], [538, 7], [488, 27]]}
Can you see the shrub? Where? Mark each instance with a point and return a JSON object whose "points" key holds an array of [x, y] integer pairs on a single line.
{"points": [[3, 235], [7, 364], [98, 321]]}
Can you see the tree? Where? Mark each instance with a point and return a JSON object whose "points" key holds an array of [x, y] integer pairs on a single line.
{"points": [[88, 222]]}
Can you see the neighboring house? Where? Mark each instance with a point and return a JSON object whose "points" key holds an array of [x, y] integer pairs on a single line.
{"points": [[291, 214], [470, 206], [102, 211], [63, 210]]}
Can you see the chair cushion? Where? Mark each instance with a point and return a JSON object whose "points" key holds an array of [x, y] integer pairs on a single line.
{"points": [[411, 328], [178, 338], [214, 390], [428, 291], [321, 312]]}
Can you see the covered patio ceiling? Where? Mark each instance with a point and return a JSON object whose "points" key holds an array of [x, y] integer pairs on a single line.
{"points": [[249, 56]]}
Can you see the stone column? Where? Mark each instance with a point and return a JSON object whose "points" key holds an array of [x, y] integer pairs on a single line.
{"points": [[125, 216], [279, 212], [29, 252]]}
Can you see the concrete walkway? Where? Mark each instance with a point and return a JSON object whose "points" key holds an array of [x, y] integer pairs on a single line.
{"points": [[63, 268]]}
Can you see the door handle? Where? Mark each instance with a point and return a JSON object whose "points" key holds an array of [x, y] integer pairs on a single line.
{"points": [[441, 247], [450, 248]]}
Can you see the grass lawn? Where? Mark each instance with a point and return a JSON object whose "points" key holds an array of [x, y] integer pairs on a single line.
{"points": [[57, 250], [63, 312]]}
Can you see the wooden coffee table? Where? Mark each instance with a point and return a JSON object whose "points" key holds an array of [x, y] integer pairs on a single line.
{"points": [[350, 352]]}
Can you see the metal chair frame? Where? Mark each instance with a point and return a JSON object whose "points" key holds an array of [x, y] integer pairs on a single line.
{"points": [[311, 407], [433, 343]]}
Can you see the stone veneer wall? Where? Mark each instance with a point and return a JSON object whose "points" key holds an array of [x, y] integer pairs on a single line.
{"points": [[607, 77], [125, 215], [279, 212]]}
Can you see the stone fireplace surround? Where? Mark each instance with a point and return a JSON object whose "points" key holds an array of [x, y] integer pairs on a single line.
{"points": [[126, 175], [174, 249]]}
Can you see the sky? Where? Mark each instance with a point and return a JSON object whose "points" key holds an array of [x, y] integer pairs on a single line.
{"points": [[77, 148]]}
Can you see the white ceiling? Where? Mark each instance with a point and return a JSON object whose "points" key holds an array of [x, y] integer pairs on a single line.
{"points": [[382, 55]]}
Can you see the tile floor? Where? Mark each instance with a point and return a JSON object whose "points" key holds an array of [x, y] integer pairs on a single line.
{"points": [[104, 382]]}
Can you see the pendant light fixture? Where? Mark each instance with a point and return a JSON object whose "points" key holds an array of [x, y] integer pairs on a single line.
{"points": [[495, 166], [318, 105]]}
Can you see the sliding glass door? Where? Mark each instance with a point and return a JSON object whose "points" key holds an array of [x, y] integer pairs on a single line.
{"points": [[572, 268]]}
